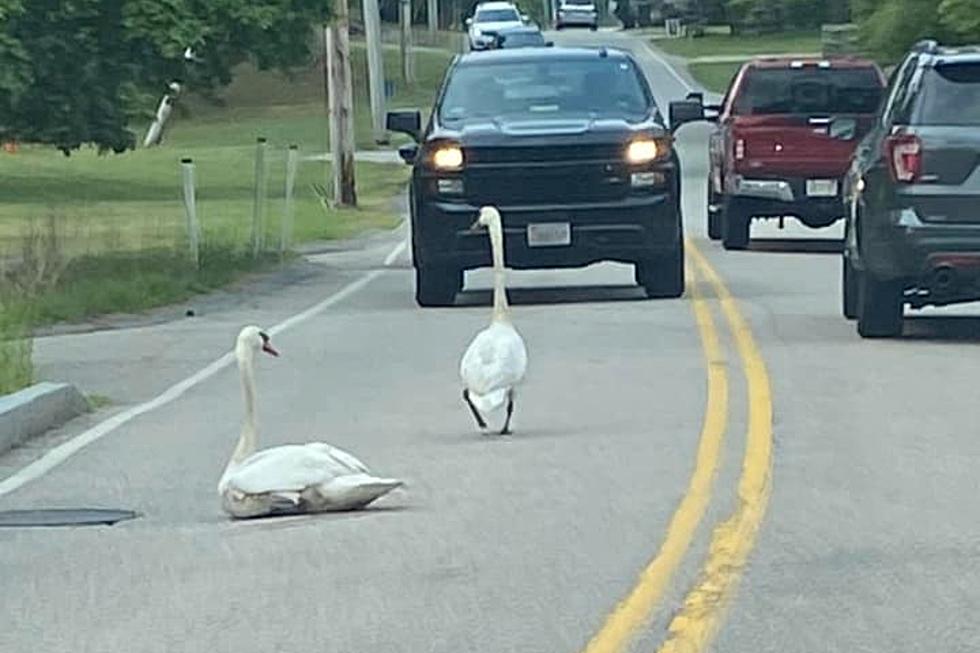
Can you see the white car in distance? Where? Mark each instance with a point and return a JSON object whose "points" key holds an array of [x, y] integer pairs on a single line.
{"points": [[488, 18]]}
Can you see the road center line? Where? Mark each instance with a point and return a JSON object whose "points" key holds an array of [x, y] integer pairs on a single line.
{"points": [[634, 611], [65, 450], [695, 626]]}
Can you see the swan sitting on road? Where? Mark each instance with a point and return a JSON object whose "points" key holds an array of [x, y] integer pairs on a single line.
{"points": [[496, 360], [290, 479]]}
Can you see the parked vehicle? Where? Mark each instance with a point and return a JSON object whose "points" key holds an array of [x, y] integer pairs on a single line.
{"points": [[912, 194], [488, 19], [577, 13], [579, 176], [528, 36], [787, 129]]}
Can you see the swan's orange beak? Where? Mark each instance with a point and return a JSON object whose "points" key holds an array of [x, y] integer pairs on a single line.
{"points": [[269, 349]]}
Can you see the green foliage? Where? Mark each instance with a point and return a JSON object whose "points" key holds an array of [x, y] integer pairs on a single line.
{"points": [[961, 19], [890, 27], [80, 72]]}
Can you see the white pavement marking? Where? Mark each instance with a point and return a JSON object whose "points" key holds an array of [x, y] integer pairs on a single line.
{"points": [[64, 451], [666, 64]]}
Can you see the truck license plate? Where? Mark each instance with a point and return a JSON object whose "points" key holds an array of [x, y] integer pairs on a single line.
{"points": [[821, 187], [549, 234]]}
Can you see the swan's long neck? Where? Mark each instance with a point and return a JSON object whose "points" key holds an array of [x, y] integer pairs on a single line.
{"points": [[247, 441], [500, 307]]}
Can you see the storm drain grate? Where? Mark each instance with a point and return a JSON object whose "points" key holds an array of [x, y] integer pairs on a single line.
{"points": [[64, 517]]}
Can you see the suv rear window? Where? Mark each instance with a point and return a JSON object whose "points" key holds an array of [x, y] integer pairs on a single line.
{"points": [[546, 90], [808, 91], [497, 16], [950, 95]]}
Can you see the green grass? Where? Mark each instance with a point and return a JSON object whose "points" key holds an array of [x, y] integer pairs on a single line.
{"points": [[748, 45], [714, 76], [292, 109], [87, 234], [16, 365]]}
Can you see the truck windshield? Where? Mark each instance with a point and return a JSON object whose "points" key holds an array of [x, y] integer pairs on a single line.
{"points": [[808, 91], [950, 96], [544, 90]]}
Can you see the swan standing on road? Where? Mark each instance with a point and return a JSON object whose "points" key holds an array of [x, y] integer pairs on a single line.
{"points": [[496, 360], [291, 479]]}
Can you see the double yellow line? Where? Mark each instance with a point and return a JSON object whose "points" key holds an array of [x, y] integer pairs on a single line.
{"points": [[692, 629]]}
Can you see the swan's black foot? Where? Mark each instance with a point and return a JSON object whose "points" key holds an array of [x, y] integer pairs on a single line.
{"points": [[510, 413], [476, 414]]}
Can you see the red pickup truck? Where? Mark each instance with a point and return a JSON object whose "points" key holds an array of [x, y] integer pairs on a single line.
{"points": [[787, 130]]}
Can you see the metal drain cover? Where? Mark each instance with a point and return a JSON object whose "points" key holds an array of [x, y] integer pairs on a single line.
{"points": [[63, 517]]}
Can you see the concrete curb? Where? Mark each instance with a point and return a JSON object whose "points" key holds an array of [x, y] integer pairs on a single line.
{"points": [[34, 410]]}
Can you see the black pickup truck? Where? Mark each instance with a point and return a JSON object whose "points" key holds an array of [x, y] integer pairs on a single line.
{"points": [[569, 145]]}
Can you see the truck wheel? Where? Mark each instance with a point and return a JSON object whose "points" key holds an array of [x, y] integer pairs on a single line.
{"points": [[437, 285], [880, 305], [714, 217], [849, 289], [662, 278], [735, 222], [593, 27]]}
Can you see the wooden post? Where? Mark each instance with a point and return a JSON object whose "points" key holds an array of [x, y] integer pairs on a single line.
{"points": [[258, 198], [340, 95], [433, 16], [376, 73], [408, 58], [190, 210], [286, 228]]}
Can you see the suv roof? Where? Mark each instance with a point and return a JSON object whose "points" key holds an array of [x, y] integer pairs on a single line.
{"points": [[494, 4], [541, 54], [799, 62]]}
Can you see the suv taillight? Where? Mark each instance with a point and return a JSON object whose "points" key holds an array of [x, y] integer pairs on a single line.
{"points": [[904, 152]]}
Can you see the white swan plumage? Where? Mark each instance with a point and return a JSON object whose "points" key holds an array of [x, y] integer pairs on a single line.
{"points": [[293, 478], [496, 361]]}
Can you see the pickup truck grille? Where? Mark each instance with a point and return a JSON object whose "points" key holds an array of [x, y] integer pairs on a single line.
{"points": [[545, 154], [536, 184]]}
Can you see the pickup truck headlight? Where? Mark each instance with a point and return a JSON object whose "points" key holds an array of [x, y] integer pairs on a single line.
{"points": [[643, 151], [447, 157]]}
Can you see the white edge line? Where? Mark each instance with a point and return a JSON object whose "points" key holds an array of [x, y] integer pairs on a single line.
{"points": [[65, 450], [666, 64]]}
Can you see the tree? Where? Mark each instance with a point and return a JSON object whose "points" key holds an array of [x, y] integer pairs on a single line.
{"points": [[961, 19], [82, 71]]}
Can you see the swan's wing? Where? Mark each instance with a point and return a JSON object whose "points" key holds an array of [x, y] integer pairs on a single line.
{"points": [[290, 468], [343, 459], [496, 359]]}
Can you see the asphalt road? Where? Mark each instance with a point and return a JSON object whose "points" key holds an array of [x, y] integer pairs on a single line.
{"points": [[869, 541]]}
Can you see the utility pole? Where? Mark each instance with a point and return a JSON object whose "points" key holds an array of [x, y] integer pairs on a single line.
{"points": [[433, 15], [376, 73], [408, 59], [340, 100]]}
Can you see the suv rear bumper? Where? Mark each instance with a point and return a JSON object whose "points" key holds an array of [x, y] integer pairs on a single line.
{"points": [[576, 21], [942, 261], [637, 228], [775, 197]]}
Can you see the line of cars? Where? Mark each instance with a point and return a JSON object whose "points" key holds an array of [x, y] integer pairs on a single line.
{"points": [[499, 24], [573, 148], [898, 160]]}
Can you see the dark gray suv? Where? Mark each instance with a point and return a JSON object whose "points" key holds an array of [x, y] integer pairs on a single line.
{"points": [[912, 194]]}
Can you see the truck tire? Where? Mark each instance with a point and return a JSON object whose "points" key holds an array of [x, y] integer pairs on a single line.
{"points": [[849, 289], [437, 285], [735, 222], [880, 305], [663, 277]]}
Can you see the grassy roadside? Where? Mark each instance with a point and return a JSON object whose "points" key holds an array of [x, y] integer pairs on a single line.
{"points": [[87, 235], [716, 75]]}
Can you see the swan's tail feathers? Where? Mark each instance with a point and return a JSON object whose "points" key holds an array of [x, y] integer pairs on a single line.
{"points": [[355, 491], [490, 402]]}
